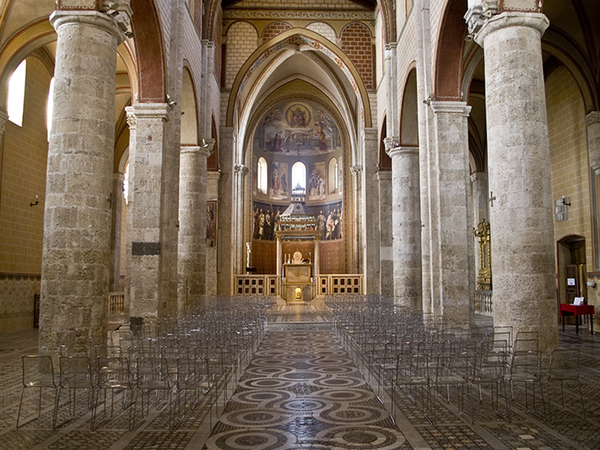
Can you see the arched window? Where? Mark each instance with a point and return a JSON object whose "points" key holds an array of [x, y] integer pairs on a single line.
{"points": [[262, 175], [333, 176], [16, 94], [299, 178]]}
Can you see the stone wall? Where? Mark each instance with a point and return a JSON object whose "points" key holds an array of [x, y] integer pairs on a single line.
{"points": [[568, 153], [241, 42]]}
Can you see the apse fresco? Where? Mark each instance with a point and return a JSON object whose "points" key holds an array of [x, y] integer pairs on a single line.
{"points": [[265, 220], [298, 128]]}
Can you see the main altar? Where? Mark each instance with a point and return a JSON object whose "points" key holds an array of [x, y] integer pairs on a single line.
{"points": [[298, 227]]}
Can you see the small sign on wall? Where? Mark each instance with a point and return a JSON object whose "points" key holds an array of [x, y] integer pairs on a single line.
{"points": [[570, 281]]}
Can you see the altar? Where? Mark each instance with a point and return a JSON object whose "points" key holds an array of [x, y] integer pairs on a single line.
{"points": [[298, 230], [298, 279]]}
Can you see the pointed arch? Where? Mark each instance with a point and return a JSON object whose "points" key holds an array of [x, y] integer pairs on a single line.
{"points": [[189, 109], [449, 52], [149, 51], [298, 38]]}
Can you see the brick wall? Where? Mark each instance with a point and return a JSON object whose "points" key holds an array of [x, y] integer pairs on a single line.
{"points": [[324, 30], [357, 44], [241, 42], [274, 29], [568, 155]]}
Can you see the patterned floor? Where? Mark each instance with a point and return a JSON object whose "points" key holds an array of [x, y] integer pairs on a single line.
{"points": [[303, 390]]}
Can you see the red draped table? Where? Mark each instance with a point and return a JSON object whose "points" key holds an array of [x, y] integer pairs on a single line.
{"points": [[567, 309]]}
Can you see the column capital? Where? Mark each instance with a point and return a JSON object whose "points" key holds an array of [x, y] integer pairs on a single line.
{"points": [[451, 107], [478, 176], [241, 169], [507, 19], [200, 150], [391, 142], [369, 133], [356, 170], [146, 111], [117, 24], [592, 118], [384, 175], [395, 152]]}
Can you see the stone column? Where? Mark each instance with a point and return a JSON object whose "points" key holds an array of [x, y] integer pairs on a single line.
{"points": [[225, 211], [452, 243], [115, 240], [406, 224], [145, 222], [386, 254], [191, 262], [521, 221], [370, 217], [240, 172], [357, 172], [211, 250], [317, 261], [77, 218], [592, 121]]}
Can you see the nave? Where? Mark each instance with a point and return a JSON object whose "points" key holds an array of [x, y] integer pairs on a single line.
{"points": [[309, 383]]}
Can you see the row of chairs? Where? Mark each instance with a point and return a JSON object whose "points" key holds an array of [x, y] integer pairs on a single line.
{"points": [[422, 356], [182, 361]]}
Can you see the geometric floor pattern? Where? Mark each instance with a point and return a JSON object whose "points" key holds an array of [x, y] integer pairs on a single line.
{"points": [[303, 390]]}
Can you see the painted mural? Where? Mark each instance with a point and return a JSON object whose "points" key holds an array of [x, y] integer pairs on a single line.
{"points": [[265, 220], [299, 128]]}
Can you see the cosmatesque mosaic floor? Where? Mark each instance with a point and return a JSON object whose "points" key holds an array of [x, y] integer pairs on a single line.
{"points": [[303, 390]]}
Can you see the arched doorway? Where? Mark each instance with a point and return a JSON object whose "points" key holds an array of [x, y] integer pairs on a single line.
{"points": [[572, 272]]}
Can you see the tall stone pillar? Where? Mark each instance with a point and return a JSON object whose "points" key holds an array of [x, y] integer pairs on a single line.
{"points": [[147, 287], [357, 172], [77, 218], [115, 235], [406, 224], [451, 244], [225, 212], [370, 217], [191, 262], [211, 249], [240, 173], [592, 121], [386, 253], [521, 221]]}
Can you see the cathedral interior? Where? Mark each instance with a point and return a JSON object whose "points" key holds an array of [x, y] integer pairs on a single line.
{"points": [[306, 186]]}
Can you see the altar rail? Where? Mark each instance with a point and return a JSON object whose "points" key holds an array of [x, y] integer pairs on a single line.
{"points": [[256, 285], [116, 304], [483, 302], [340, 284]]}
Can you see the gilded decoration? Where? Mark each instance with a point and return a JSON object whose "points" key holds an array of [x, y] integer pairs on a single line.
{"points": [[484, 279]]}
